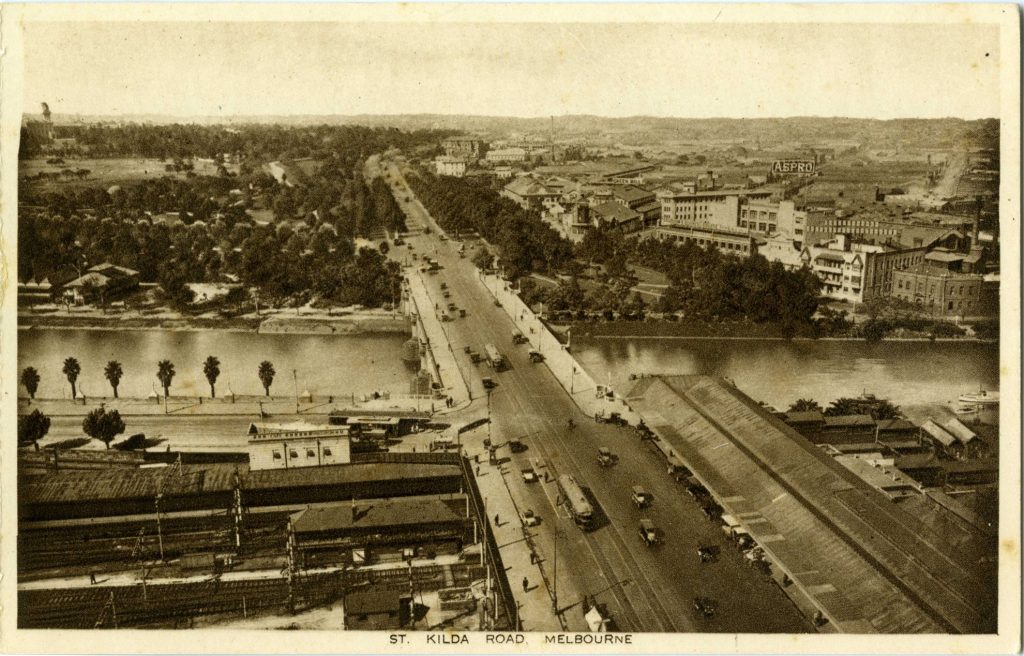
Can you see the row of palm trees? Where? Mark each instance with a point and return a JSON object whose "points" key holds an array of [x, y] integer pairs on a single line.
{"points": [[165, 373]]}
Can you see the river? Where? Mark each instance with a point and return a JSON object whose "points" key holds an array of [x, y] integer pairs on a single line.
{"points": [[776, 372], [338, 365], [779, 372]]}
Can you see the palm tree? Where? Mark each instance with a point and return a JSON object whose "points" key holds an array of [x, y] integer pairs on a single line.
{"points": [[805, 405], [165, 374], [30, 379], [211, 368], [71, 370], [266, 374], [113, 373]]}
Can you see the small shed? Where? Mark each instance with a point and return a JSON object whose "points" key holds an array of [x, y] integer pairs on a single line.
{"points": [[377, 610]]}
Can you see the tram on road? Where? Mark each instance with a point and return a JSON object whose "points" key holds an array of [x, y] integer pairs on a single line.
{"points": [[580, 509], [494, 357]]}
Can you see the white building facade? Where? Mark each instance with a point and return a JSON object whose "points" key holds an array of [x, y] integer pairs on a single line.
{"points": [[289, 446]]}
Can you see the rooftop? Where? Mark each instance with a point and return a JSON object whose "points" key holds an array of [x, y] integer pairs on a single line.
{"points": [[959, 430], [849, 420], [75, 486], [631, 193], [761, 192], [612, 211], [805, 417], [940, 434], [527, 186], [925, 269], [373, 602], [389, 512], [868, 564]]}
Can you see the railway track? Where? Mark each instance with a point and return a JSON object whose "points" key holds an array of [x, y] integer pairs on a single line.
{"points": [[113, 544], [128, 606]]}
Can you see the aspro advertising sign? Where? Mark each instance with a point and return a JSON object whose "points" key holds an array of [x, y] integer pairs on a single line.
{"points": [[797, 166]]}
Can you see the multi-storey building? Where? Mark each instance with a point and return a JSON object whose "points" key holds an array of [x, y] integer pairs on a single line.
{"points": [[714, 208], [735, 241], [766, 218], [857, 272], [506, 155], [918, 229], [464, 148], [452, 166], [939, 291], [530, 194]]}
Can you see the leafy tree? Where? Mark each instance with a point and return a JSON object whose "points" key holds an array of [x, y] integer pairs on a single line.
{"points": [[482, 259], [72, 369], [113, 372], [165, 374], [102, 425], [873, 330], [266, 374], [805, 405], [211, 369], [32, 428], [30, 379]]}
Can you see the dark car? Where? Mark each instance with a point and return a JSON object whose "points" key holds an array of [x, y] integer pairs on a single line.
{"points": [[709, 553], [705, 606]]}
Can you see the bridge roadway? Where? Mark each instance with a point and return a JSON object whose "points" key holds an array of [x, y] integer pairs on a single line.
{"points": [[645, 589]]}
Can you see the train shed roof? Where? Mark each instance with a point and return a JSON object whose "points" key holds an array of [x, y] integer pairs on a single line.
{"points": [[869, 565]]}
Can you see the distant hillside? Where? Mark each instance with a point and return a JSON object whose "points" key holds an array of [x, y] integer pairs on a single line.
{"points": [[924, 133]]}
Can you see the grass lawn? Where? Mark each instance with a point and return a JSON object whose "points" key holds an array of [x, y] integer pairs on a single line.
{"points": [[109, 170]]}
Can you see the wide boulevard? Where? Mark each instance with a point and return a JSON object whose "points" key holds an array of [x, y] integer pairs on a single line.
{"points": [[645, 588]]}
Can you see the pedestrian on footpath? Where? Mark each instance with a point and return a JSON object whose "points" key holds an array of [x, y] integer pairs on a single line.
{"points": [[92, 578], [496, 521], [526, 584]]}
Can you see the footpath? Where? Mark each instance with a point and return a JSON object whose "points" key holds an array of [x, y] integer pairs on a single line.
{"points": [[440, 356], [591, 397], [275, 408]]}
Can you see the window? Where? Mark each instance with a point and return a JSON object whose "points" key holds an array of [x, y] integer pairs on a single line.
{"points": [[277, 455], [292, 453], [310, 453], [327, 452]]}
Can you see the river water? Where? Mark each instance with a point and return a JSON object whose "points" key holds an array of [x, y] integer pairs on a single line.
{"points": [[324, 364], [779, 372], [776, 372]]}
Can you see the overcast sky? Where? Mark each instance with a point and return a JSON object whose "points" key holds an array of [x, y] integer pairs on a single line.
{"points": [[514, 69]]}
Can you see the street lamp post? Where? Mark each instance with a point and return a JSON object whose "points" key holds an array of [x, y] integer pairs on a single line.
{"points": [[554, 597]]}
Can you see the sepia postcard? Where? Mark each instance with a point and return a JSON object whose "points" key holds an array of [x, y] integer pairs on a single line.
{"points": [[510, 328]]}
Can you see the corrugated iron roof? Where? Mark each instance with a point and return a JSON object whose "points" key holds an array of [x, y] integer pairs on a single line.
{"points": [[943, 436], [894, 573], [391, 512]]}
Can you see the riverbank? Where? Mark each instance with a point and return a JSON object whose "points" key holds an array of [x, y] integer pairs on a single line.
{"points": [[306, 324], [690, 330]]}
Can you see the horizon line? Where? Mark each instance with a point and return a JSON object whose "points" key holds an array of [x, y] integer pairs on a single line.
{"points": [[507, 116]]}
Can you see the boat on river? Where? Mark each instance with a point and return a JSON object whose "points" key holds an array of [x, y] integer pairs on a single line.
{"points": [[980, 398]]}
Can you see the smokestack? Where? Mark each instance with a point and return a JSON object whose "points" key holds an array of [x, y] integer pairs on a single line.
{"points": [[46, 112]]}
